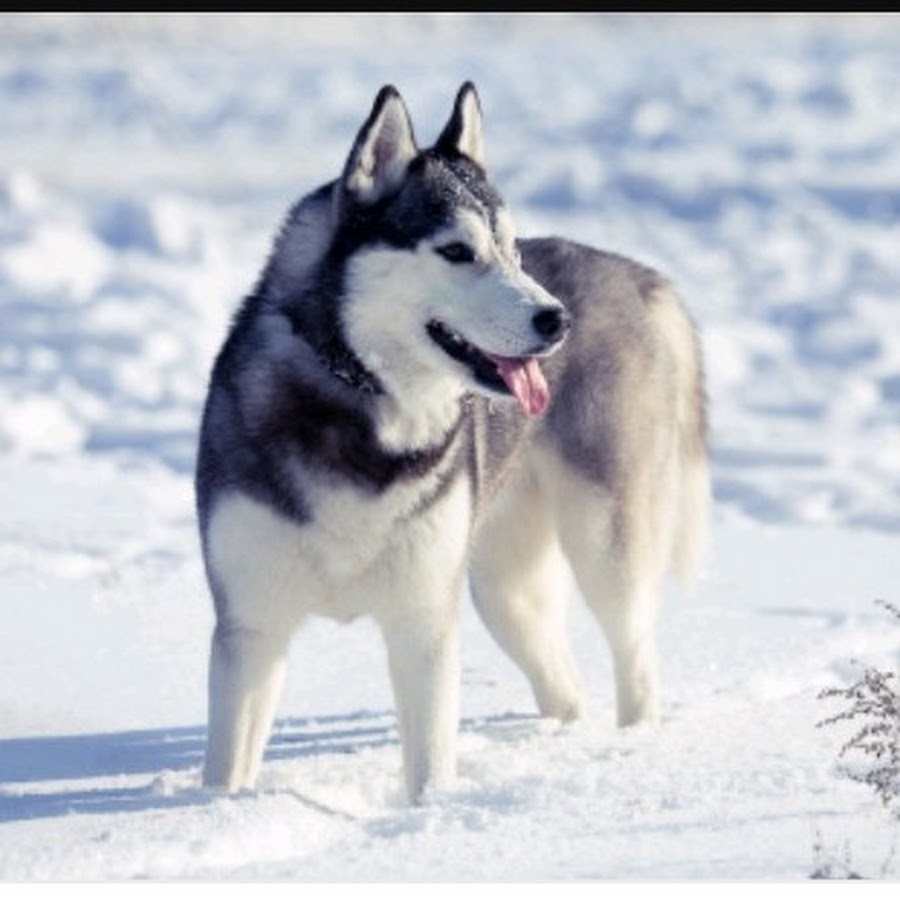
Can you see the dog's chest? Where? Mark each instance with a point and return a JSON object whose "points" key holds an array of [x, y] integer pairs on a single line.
{"points": [[367, 527], [357, 552]]}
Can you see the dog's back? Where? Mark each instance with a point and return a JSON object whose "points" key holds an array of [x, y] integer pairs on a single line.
{"points": [[629, 401], [614, 484]]}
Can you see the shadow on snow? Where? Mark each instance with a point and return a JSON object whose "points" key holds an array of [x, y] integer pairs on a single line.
{"points": [[28, 764], [29, 767]]}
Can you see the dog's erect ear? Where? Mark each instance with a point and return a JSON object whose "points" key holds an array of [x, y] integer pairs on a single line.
{"points": [[462, 134], [383, 149]]}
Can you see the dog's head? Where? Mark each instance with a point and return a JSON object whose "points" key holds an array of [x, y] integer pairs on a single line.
{"points": [[433, 278]]}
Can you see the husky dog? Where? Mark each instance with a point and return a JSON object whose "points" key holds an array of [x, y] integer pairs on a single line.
{"points": [[411, 394]]}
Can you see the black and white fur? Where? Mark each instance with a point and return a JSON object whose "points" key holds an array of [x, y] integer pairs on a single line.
{"points": [[409, 394]]}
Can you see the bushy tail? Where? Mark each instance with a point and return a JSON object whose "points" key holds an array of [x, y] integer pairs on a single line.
{"points": [[691, 536], [692, 531], [689, 544]]}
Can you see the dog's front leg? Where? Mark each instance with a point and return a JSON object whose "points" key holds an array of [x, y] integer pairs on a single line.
{"points": [[245, 675], [423, 654]]}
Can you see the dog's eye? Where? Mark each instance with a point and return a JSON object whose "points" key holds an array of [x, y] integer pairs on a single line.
{"points": [[457, 252]]}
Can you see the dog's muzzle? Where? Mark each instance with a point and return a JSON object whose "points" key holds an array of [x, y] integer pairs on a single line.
{"points": [[520, 376]]}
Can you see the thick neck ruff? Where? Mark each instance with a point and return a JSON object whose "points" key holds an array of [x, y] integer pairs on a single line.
{"points": [[343, 363], [336, 357]]}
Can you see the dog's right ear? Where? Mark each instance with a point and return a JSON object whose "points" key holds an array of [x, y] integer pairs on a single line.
{"points": [[383, 149], [463, 132]]}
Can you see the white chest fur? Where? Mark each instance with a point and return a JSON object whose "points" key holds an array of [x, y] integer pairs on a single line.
{"points": [[358, 552]]}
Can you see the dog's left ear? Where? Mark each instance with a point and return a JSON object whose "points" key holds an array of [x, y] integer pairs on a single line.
{"points": [[462, 134], [383, 149]]}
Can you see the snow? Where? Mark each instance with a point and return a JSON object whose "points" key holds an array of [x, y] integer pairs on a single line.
{"points": [[145, 162]]}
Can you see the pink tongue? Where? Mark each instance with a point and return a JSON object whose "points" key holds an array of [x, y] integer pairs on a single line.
{"points": [[526, 382]]}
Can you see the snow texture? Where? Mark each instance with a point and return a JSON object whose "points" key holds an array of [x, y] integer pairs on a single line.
{"points": [[145, 162]]}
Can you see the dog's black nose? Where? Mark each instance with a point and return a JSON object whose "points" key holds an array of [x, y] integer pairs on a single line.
{"points": [[551, 324]]}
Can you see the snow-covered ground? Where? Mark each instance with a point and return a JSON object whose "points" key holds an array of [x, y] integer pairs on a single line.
{"points": [[145, 162]]}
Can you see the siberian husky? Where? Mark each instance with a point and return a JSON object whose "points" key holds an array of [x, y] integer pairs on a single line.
{"points": [[411, 395]]}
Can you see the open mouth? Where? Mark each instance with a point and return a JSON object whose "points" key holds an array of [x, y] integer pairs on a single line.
{"points": [[520, 376]]}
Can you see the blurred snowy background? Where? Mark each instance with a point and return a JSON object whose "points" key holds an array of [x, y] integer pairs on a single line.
{"points": [[145, 162]]}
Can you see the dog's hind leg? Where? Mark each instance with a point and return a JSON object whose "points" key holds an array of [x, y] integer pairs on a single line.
{"points": [[626, 606], [618, 549], [246, 672], [518, 578]]}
